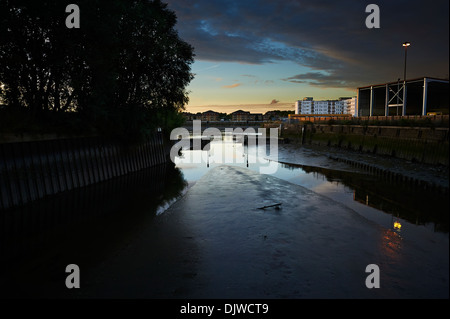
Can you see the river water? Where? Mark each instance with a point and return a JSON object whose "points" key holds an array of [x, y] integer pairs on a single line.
{"points": [[413, 211], [121, 230]]}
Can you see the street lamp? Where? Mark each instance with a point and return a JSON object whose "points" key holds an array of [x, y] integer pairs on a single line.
{"points": [[406, 45]]}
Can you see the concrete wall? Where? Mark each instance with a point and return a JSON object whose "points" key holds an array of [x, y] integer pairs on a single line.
{"points": [[437, 120], [422, 144], [33, 169], [42, 223]]}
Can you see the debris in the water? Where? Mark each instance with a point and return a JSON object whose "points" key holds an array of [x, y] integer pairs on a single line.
{"points": [[277, 206]]}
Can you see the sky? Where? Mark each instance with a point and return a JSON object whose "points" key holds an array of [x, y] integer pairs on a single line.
{"points": [[261, 55]]}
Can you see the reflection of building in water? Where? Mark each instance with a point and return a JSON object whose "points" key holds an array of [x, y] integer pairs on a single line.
{"points": [[362, 197], [419, 207]]}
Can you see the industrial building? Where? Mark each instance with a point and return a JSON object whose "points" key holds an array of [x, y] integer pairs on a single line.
{"points": [[420, 96]]}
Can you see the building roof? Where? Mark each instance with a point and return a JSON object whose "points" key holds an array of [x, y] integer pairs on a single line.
{"points": [[240, 112], [210, 112], [409, 80]]}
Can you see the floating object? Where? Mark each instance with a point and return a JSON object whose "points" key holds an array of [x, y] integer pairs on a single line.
{"points": [[277, 206]]}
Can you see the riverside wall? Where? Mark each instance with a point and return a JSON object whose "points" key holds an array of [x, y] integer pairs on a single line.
{"points": [[33, 168], [421, 144]]}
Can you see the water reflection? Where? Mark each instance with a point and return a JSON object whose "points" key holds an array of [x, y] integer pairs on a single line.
{"points": [[86, 222], [417, 206], [391, 245]]}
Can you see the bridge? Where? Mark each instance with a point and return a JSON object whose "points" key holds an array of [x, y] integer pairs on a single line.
{"points": [[222, 125]]}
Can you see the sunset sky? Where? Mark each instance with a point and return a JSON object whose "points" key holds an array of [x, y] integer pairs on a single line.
{"points": [[261, 55]]}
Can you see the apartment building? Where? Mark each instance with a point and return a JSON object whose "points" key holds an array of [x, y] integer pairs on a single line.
{"points": [[210, 116], [240, 116], [309, 106], [350, 106]]}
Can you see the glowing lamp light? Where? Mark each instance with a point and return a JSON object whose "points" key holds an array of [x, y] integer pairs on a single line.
{"points": [[397, 225], [406, 44]]}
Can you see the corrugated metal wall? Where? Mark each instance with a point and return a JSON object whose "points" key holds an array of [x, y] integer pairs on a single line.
{"points": [[35, 169]]}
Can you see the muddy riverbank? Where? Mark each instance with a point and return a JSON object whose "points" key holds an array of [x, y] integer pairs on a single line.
{"points": [[315, 155], [212, 240]]}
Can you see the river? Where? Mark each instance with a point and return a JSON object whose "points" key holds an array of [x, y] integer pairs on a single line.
{"points": [[134, 237]]}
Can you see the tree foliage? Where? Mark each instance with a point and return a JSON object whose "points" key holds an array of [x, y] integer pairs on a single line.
{"points": [[124, 70]]}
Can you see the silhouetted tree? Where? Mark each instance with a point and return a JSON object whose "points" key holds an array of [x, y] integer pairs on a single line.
{"points": [[124, 70], [33, 56]]}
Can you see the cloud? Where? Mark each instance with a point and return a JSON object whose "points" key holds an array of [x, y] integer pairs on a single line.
{"points": [[327, 36], [209, 68], [215, 79], [232, 86], [255, 80], [321, 80]]}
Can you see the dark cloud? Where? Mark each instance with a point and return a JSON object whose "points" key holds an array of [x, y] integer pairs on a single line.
{"points": [[322, 80], [328, 36]]}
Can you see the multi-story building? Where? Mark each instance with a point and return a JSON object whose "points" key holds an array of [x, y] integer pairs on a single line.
{"points": [[350, 106], [210, 116], [309, 106], [244, 116], [304, 105], [321, 107], [240, 116]]}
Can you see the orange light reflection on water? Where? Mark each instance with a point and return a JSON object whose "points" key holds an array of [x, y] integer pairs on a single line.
{"points": [[391, 244]]}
